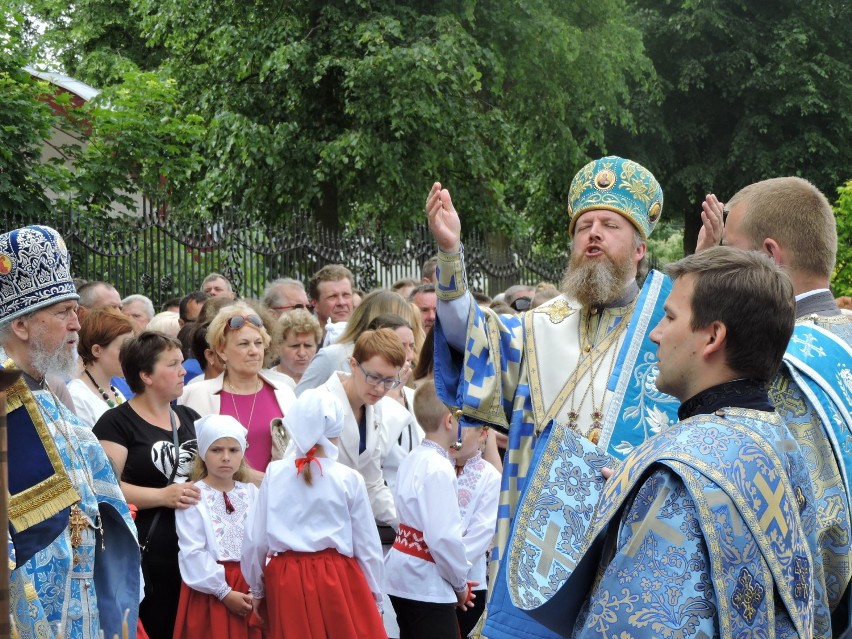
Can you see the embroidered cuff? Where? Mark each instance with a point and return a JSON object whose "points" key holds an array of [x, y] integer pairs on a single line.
{"points": [[223, 591], [452, 281]]}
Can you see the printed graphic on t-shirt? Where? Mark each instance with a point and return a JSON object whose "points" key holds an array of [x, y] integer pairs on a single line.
{"points": [[163, 456]]}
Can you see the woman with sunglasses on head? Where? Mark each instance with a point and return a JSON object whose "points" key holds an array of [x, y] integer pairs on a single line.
{"points": [[152, 448], [244, 390]]}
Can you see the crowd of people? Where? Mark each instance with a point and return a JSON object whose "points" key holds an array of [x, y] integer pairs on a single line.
{"points": [[621, 455]]}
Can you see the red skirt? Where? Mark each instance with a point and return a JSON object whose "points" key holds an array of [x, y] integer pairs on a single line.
{"points": [[319, 595], [202, 616]]}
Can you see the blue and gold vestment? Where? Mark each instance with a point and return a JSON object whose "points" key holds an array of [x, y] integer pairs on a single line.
{"points": [[518, 373], [75, 590], [707, 529], [813, 395]]}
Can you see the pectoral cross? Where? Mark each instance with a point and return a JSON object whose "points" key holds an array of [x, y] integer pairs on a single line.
{"points": [[77, 522]]}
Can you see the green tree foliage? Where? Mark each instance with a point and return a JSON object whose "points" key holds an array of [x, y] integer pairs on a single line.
{"points": [[25, 120], [752, 89], [351, 108], [842, 281], [138, 141], [96, 41]]}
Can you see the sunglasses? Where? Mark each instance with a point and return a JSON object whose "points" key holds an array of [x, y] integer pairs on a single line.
{"points": [[238, 321], [521, 304], [374, 380]]}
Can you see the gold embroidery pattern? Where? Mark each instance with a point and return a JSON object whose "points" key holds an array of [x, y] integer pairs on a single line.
{"points": [[52, 495], [747, 596]]}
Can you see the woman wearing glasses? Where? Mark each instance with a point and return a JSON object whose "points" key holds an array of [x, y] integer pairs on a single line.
{"points": [[376, 360], [244, 390]]}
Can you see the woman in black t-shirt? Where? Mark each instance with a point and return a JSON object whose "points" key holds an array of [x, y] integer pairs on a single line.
{"points": [[138, 438]]}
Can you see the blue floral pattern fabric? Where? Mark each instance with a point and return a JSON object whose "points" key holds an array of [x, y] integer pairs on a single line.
{"points": [[63, 578], [709, 541]]}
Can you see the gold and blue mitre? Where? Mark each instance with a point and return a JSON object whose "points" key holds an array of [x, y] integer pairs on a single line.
{"points": [[615, 184], [35, 271]]}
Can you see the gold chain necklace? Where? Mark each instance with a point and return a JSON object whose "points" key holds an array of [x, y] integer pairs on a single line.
{"points": [[77, 520], [253, 402], [589, 350]]}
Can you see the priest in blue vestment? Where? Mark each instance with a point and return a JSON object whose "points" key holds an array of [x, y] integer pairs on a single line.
{"points": [[789, 219], [73, 546], [582, 360]]}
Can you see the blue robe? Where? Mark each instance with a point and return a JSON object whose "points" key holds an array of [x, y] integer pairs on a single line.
{"points": [[813, 394], [77, 593], [706, 530], [502, 379]]}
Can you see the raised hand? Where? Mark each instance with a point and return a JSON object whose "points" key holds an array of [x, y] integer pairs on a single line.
{"points": [[443, 220], [712, 222]]}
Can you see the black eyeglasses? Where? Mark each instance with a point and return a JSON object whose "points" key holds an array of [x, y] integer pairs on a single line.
{"points": [[374, 380], [521, 304], [238, 321]]}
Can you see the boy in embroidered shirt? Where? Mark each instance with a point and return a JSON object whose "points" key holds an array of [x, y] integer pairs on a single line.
{"points": [[426, 570], [479, 494]]}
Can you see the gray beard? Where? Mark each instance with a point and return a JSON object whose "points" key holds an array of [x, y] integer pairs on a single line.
{"points": [[595, 283], [58, 362]]}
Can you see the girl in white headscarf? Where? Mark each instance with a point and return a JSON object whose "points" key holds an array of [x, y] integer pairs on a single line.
{"points": [[214, 601], [313, 517]]}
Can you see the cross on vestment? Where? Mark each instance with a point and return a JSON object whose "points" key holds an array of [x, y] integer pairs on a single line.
{"points": [[650, 523], [549, 554], [773, 504], [77, 522]]}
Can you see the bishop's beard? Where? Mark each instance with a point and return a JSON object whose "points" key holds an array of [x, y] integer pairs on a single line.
{"points": [[598, 281]]}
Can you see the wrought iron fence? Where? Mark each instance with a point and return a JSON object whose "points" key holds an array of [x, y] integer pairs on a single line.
{"points": [[166, 257]]}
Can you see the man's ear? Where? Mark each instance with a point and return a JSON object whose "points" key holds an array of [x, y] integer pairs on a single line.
{"points": [[773, 250], [717, 333], [640, 252], [20, 328]]}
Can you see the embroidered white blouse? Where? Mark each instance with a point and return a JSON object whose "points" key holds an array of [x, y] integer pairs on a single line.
{"points": [[479, 494], [334, 512], [207, 534], [426, 500]]}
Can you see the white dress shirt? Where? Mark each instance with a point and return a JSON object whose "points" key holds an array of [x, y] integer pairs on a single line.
{"points": [[426, 500], [479, 495]]}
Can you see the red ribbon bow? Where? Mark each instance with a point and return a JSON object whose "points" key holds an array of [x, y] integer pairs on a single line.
{"points": [[301, 462]]}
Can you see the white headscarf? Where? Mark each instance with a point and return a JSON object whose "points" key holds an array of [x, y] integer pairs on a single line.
{"points": [[212, 427], [316, 416]]}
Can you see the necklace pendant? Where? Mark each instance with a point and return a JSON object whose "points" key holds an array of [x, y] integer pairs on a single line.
{"points": [[572, 419], [77, 523], [595, 434]]}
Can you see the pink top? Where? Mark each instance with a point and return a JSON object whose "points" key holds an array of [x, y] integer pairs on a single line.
{"points": [[266, 408]]}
